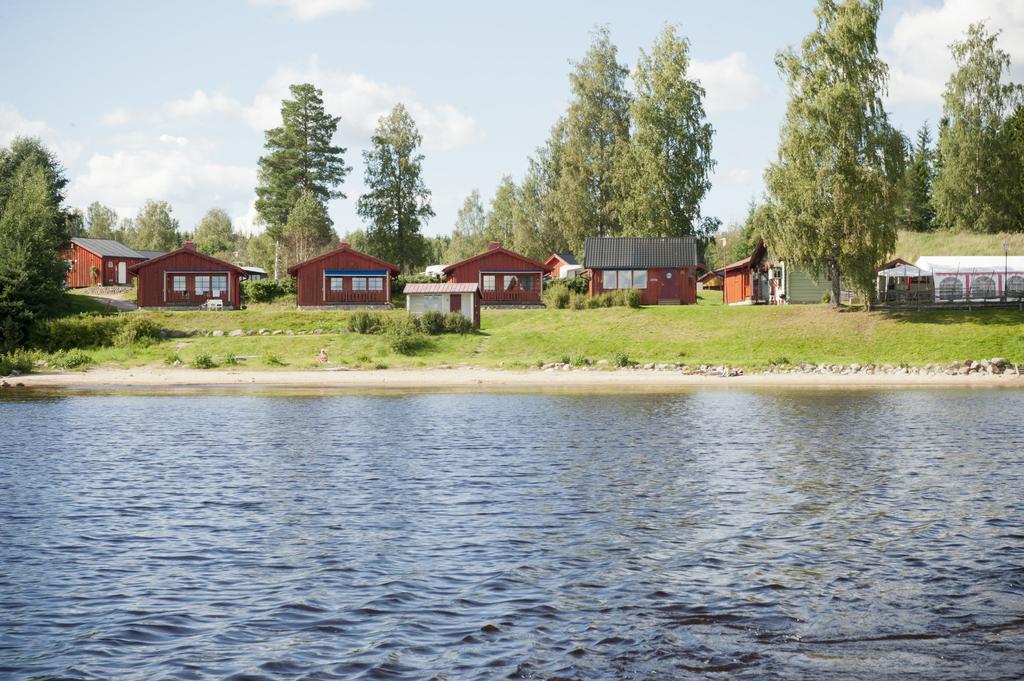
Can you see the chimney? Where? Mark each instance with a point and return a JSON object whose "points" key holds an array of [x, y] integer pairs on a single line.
{"points": [[494, 245], [189, 245]]}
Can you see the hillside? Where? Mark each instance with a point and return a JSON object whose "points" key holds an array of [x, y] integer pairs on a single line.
{"points": [[912, 245]]}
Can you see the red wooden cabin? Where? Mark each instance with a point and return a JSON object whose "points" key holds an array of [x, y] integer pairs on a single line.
{"points": [[343, 277], [505, 278], [99, 262], [743, 280], [187, 278], [663, 269]]}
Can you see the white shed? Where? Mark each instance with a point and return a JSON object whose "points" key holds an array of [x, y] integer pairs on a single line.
{"points": [[445, 298]]}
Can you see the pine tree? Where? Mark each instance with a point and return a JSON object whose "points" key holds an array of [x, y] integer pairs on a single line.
{"points": [[666, 172], [32, 230], [396, 204], [917, 212], [974, 189], [301, 157], [835, 186]]}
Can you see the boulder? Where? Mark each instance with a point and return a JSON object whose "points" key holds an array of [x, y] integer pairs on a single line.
{"points": [[237, 332], [218, 332], [276, 332], [264, 332], [1000, 362]]}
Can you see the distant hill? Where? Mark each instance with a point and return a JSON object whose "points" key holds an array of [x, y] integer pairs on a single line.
{"points": [[912, 245]]}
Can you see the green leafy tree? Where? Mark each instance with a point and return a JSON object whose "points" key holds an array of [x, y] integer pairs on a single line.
{"points": [[261, 251], [974, 189], [666, 170], [156, 229], [584, 196], [834, 187], [470, 234], [31, 150], [396, 204], [32, 230], [502, 217], [215, 234], [308, 232], [301, 157], [917, 212], [1013, 139], [102, 221]]}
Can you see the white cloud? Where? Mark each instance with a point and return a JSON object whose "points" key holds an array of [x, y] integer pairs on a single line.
{"points": [[730, 82], [918, 50], [168, 168], [200, 104], [118, 116], [13, 124], [740, 176], [307, 10], [360, 102]]}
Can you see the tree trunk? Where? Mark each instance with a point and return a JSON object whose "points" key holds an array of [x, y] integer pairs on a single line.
{"points": [[833, 273]]}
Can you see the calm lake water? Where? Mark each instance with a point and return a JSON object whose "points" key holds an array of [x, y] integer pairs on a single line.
{"points": [[773, 534]]}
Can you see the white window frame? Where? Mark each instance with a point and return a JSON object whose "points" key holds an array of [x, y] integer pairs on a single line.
{"points": [[640, 275], [510, 283], [205, 289], [216, 290], [337, 284], [175, 278], [489, 282], [526, 283], [609, 279], [375, 284], [625, 279], [359, 284]]}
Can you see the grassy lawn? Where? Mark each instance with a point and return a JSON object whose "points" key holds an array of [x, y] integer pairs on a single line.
{"points": [[912, 245], [707, 333]]}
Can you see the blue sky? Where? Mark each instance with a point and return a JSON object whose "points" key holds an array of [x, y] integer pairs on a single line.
{"points": [[169, 100]]}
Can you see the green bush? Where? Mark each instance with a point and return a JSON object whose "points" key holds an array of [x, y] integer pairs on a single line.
{"points": [[87, 330], [432, 322], [136, 330], [170, 359], [203, 361], [272, 360], [622, 360], [267, 290], [456, 322], [579, 361], [557, 297], [230, 360], [403, 335], [20, 360], [633, 298], [70, 359], [362, 321], [578, 301]]}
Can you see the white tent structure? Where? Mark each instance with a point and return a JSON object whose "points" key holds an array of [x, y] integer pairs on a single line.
{"points": [[904, 284], [975, 278]]}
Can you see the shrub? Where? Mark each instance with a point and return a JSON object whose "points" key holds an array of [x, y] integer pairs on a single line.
{"points": [[267, 290], [622, 360], [403, 335], [88, 330], [432, 322], [456, 322], [230, 360], [136, 330], [172, 359], [633, 298], [70, 359], [578, 301], [20, 360], [557, 297], [203, 361], [272, 360], [362, 321], [579, 361]]}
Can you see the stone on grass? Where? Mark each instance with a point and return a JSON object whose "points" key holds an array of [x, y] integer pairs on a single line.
{"points": [[218, 332], [237, 332]]}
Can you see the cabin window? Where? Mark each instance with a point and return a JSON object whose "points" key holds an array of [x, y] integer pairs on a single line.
{"points": [[358, 283], [337, 284], [375, 284], [608, 279], [625, 278], [526, 283], [489, 282], [179, 283], [220, 285], [511, 282], [202, 285], [639, 278]]}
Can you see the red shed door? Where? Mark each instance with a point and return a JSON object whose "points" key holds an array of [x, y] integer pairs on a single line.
{"points": [[669, 285], [456, 302]]}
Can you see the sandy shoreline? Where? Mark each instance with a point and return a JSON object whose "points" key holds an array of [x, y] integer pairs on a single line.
{"points": [[484, 379]]}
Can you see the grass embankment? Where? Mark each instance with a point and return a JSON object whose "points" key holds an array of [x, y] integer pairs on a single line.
{"points": [[748, 337], [912, 245]]}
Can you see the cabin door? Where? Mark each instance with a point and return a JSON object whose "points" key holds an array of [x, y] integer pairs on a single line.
{"points": [[456, 302], [669, 285], [122, 273]]}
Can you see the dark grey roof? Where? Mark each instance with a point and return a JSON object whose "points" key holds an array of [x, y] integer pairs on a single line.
{"points": [[568, 258], [149, 254], [106, 248], [607, 253]]}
